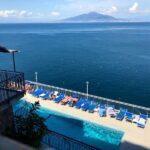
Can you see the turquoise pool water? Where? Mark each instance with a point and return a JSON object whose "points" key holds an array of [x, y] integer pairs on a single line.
{"points": [[96, 135]]}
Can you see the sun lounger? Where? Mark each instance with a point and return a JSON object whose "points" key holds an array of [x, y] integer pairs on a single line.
{"points": [[38, 92], [142, 121], [35, 91], [111, 111], [136, 119], [46, 95], [43, 94], [102, 110], [74, 95], [121, 114], [129, 116], [72, 101], [59, 98], [55, 93], [92, 107], [79, 103], [65, 100], [86, 105]]}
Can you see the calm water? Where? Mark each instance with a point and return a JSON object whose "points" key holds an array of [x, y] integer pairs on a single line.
{"points": [[92, 134], [113, 57]]}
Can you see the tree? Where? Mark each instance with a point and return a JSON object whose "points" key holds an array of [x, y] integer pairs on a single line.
{"points": [[30, 128]]}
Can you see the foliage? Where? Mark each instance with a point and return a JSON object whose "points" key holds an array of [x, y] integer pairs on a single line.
{"points": [[30, 128]]}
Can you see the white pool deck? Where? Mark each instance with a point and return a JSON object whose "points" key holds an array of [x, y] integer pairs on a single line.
{"points": [[135, 138]]}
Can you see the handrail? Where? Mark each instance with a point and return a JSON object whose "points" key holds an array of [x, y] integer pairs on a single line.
{"points": [[12, 84], [71, 140], [93, 96], [10, 71]]}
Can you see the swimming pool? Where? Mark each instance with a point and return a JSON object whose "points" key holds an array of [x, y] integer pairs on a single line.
{"points": [[95, 135]]}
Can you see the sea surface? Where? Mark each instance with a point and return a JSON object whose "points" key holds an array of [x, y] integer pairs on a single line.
{"points": [[113, 57]]}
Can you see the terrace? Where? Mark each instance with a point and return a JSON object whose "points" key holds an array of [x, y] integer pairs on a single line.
{"points": [[131, 130], [136, 109]]}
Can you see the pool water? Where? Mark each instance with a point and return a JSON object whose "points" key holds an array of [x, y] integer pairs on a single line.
{"points": [[96, 135]]}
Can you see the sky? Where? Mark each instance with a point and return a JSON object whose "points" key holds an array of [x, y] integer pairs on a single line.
{"points": [[51, 10]]}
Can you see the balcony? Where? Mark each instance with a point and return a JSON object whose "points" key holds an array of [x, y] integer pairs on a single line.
{"points": [[12, 86]]}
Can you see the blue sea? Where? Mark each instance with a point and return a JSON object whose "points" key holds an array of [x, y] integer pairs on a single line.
{"points": [[113, 57]]}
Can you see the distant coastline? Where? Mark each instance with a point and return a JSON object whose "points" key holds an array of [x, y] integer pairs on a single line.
{"points": [[91, 17]]}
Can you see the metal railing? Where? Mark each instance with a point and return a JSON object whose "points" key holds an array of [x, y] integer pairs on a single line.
{"points": [[62, 142], [12, 84], [118, 104]]}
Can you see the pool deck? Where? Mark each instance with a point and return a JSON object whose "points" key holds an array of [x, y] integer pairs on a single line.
{"points": [[135, 138]]}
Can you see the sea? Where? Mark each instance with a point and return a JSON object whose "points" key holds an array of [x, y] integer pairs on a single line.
{"points": [[113, 57]]}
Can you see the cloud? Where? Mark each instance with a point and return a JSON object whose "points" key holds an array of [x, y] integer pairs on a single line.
{"points": [[14, 13], [114, 9], [134, 8], [24, 13], [55, 13], [111, 10], [85, 8], [7, 13]]}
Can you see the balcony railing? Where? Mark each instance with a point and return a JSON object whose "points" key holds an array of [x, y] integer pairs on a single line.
{"points": [[12, 85], [62, 142]]}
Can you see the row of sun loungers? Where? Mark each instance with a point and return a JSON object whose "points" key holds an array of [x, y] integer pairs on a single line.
{"points": [[140, 120], [87, 105]]}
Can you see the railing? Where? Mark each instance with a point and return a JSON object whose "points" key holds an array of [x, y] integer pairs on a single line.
{"points": [[62, 142], [12, 84], [131, 107], [56, 140]]}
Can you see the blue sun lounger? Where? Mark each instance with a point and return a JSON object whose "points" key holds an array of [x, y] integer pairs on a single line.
{"points": [[59, 98], [42, 94], [92, 107], [46, 95], [102, 110], [74, 95], [38, 92], [129, 116], [142, 121], [121, 114], [86, 105], [79, 103]]}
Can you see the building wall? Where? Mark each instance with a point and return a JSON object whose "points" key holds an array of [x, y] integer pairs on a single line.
{"points": [[6, 117]]}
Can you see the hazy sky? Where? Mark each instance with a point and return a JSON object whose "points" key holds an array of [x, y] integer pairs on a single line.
{"points": [[49, 10]]}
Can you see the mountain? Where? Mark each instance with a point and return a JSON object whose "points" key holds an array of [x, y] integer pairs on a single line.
{"points": [[91, 17]]}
